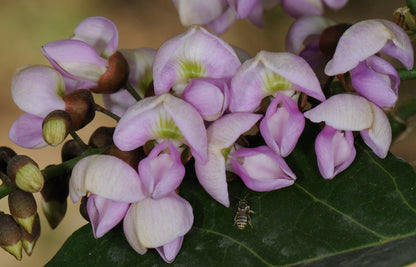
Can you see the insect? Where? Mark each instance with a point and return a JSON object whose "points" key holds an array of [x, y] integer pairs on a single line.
{"points": [[242, 217]]}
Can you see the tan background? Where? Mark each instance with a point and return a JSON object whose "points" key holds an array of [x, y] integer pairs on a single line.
{"points": [[25, 25]]}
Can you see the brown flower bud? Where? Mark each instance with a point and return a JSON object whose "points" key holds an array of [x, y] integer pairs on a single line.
{"points": [[56, 126], [25, 174], [132, 157], [23, 208], [115, 77], [6, 154], [83, 208], [330, 37], [102, 137], [80, 106], [54, 199], [29, 240], [71, 149], [10, 235]]}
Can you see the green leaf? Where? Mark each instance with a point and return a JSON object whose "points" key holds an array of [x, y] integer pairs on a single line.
{"points": [[366, 216]]}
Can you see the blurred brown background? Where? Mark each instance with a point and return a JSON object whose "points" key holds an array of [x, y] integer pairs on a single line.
{"points": [[25, 25]]}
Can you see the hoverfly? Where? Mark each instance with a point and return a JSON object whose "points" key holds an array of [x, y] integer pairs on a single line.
{"points": [[242, 217]]}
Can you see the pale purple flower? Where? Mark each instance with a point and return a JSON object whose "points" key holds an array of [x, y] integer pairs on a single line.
{"points": [[37, 90], [299, 8], [222, 135], [140, 77], [261, 169], [209, 96], [269, 73], [282, 125], [159, 118], [84, 57], [372, 77], [334, 150], [194, 54], [355, 113]]}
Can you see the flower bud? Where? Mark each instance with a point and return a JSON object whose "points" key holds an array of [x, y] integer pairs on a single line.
{"points": [[29, 240], [115, 77], [80, 106], [330, 37], [10, 235], [56, 126], [6, 154], [83, 208], [25, 174], [71, 149], [102, 137], [132, 157], [23, 208], [54, 199]]}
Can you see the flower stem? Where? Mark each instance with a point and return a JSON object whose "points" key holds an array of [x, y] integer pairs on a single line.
{"points": [[406, 75], [66, 166], [5, 190], [132, 91], [106, 112], [78, 139]]}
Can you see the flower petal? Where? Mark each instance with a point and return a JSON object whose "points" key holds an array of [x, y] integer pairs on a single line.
{"points": [[169, 251], [106, 176], [335, 151], [129, 227], [378, 137], [335, 4], [38, 90], [99, 32], [119, 102], [196, 53], [104, 214], [365, 39], [159, 222], [282, 126], [343, 112], [261, 169], [26, 131], [199, 12], [75, 59], [299, 8]]}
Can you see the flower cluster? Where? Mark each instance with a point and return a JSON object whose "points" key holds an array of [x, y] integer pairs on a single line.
{"points": [[198, 101]]}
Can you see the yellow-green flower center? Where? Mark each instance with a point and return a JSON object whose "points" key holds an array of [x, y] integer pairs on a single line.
{"points": [[166, 128], [190, 69], [274, 82]]}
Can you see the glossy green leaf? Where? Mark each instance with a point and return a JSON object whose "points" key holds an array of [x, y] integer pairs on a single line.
{"points": [[366, 216]]}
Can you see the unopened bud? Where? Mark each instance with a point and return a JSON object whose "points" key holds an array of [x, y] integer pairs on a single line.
{"points": [[71, 149], [25, 174], [132, 157], [23, 208], [54, 199], [330, 37], [10, 235], [56, 126], [80, 106], [115, 77], [6, 154], [83, 208], [102, 137], [29, 240]]}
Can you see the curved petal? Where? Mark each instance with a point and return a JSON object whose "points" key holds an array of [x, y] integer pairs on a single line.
{"points": [[106, 176], [161, 173], [129, 227], [378, 136], [335, 151], [75, 59], [26, 131], [199, 12], [104, 214], [377, 80], [169, 251], [282, 126], [303, 29], [299, 8], [209, 96], [365, 39], [336, 4], [261, 169], [159, 222], [38, 90], [221, 24], [343, 112], [118, 102], [196, 53], [100, 33]]}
